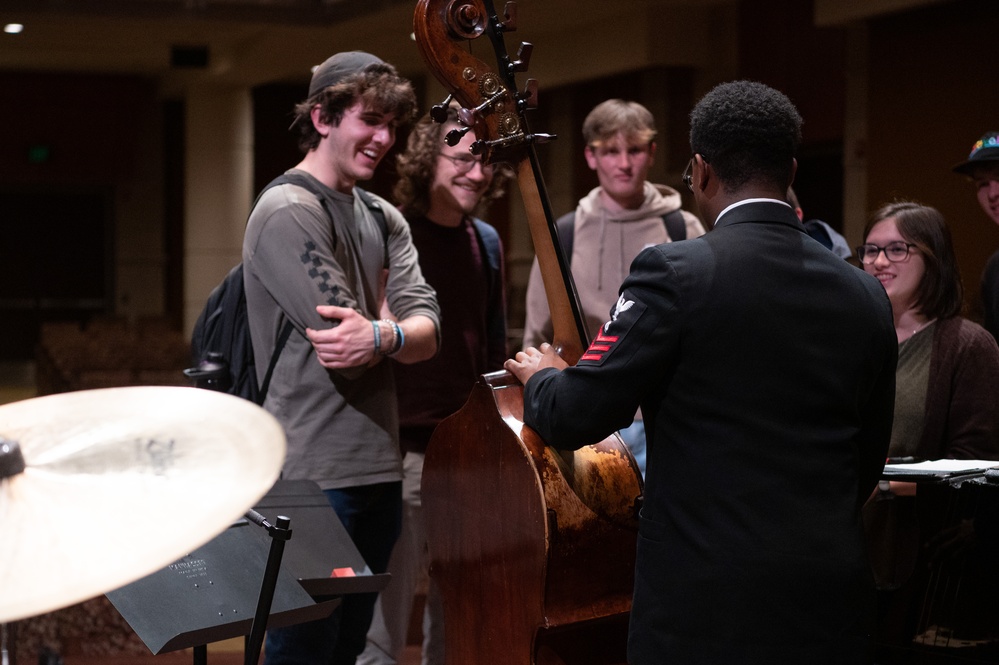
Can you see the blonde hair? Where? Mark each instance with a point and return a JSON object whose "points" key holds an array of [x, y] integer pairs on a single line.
{"points": [[617, 116]]}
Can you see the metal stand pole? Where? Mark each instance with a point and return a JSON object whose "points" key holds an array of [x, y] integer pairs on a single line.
{"points": [[7, 657], [280, 534]]}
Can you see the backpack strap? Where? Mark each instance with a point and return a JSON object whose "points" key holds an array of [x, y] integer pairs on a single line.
{"points": [[306, 183], [676, 225], [676, 228], [489, 242], [364, 195], [566, 226], [285, 179], [278, 347], [378, 214]]}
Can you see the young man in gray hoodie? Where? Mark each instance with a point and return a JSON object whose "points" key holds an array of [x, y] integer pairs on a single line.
{"points": [[612, 224]]}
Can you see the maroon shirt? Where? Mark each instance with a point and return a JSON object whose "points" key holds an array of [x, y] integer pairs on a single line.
{"points": [[470, 295]]}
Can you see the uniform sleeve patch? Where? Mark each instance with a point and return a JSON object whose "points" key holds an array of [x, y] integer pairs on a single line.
{"points": [[624, 315]]}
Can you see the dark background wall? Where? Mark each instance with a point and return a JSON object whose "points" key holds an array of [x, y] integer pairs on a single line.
{"points": [[80, 140], [68, 147], [932, 95]]}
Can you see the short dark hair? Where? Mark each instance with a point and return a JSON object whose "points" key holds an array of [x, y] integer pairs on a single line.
{"points": [[748, 132], [378, 86], [940, 293], [418, 165]]}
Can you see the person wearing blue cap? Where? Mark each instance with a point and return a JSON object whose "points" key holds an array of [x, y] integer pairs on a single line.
{"points": [[982, 168], [315, 255]]}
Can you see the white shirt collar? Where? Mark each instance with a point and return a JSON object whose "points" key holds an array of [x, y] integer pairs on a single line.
{"points": [[745, 201]]}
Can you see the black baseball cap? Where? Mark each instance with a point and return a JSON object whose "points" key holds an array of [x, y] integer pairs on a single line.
{"points": [[985, 151], [338, 67]]}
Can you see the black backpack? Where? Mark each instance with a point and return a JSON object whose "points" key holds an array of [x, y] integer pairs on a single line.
{"points": [[220, 343]]}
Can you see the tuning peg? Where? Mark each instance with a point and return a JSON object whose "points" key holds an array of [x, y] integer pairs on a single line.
{"points": [[523, 57], [529, 98], [453, 137], [509, 17], [438, 112], [541, 138], [480, 146], [468, 117]]}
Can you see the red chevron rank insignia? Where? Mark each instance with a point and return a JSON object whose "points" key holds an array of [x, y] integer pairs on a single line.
{"points": [[601, 345]]}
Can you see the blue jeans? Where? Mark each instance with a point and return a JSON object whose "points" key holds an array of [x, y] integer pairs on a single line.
{"points": [[634, 437], [372, 517]]}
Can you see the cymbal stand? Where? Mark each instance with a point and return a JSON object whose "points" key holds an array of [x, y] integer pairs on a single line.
{"points": [[5, 656], [11, 464]]}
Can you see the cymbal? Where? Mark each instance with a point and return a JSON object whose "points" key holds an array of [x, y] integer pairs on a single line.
{"points": [[121, 482]]}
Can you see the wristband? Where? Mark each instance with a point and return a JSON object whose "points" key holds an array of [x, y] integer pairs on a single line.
{"points": [[378, 337], [402, 338]]}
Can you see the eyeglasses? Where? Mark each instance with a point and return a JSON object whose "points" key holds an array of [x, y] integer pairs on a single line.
{"points": [[464, 163], [896, 252], [688, 177]]}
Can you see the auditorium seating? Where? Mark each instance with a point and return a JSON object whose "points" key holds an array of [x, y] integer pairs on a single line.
{"points": [[108, 353]]}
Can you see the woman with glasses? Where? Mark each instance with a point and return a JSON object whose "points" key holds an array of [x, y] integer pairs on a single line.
{"points": [[948, 367], [947, 380]]}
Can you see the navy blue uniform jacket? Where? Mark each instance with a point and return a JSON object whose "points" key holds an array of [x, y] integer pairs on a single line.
{"points": [[765, 369]]}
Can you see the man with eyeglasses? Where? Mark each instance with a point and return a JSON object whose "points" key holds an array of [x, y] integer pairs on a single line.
{"points": [[440, 190], [765, 369], [611, 225], [982, 168]]}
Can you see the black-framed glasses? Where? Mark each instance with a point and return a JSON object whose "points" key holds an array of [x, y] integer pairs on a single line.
{"points": [[688, 176], [464, 163], [896, 252]]}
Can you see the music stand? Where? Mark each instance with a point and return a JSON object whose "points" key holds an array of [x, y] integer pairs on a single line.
{"points": [[949, 595], [210, 594], [213, 594], [321, 556]]}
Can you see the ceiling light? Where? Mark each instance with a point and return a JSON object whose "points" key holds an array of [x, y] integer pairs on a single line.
{"points": [[13, 28]]}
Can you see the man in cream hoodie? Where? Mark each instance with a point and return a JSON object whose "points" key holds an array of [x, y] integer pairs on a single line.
{"points": [[611, 225]]}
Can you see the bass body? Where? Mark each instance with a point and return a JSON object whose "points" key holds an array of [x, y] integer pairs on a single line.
{"points": [[533, 549]]}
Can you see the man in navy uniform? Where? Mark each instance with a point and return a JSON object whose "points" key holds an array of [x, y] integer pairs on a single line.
{"points": [[765, 369]]}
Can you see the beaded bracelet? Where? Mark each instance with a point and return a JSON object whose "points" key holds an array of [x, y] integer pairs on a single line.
{"points": [[402, 338], [397, 338]]}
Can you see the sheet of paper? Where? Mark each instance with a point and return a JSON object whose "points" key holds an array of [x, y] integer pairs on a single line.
{"points": [[943, 466]]}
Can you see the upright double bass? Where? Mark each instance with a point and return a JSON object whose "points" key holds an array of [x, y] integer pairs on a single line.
{"points": [[533, 549]]}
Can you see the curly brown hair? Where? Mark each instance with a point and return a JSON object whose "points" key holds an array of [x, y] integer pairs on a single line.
{"points": [[418, 164], [378, 86]]}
